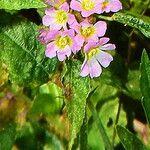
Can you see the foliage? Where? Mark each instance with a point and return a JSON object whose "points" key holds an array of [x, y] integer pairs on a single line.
{"points": [[46, 105]]}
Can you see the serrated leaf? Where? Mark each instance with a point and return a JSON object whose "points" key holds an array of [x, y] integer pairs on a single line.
{"points": [[133, 21], [129, 140], [145, 83], [21, 4], [24, 55], [77, 90], [7, 137]]}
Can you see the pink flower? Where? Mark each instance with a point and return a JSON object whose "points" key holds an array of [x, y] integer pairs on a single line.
{"points": [[95, 57], [86, 7], [54, 3], [62, 44], [87, 32], [59, 18], [45, 35], [110, 5]]}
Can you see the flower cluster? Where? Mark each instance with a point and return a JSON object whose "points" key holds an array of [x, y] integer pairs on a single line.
{"points": [[70, 27]]}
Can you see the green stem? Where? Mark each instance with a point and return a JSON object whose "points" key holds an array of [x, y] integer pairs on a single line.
{"points": [[105, 138], [105, 17], [116, 122]]}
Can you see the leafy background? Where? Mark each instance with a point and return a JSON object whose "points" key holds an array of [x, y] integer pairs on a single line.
{"points": [[46, 105]]}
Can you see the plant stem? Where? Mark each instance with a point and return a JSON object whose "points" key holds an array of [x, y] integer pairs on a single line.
{"points": [[116, 122], [105, 17]]}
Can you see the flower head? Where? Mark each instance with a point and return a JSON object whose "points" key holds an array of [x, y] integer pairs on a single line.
{"points": [[95, 57], [59, 18], [55, 3], [86, 7], [62, 44], [110, 5], [87, 32]]}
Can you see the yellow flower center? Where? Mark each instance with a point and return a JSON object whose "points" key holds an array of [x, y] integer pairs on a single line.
{"points": [[87, 32], [61, 16], [105, 4], [92, 53], [87, 4], [62, 42]]}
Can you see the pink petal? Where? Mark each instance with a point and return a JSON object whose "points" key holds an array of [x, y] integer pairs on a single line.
{"points": [[47, 20], [103, 40], [75, 5], [79, 40], [94, 38], [61, 56], [85, 13], [108, 47], [63, 53], [71, 19], [76, 46], [65, 7], [55, 26], [97, 9], [51, 50], [101, 27], [85, 23], [104, 58], [89, 46], [50, 11], [69, 32], [84, 69], [51, 35], [75, 25], [116, 6], [95, 68]]}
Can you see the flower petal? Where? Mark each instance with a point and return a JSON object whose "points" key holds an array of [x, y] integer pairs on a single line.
{"points": [[65, 7], [47, 20], [101, 27], [51, 35], [55, 26], [51, 50], [104, 58], [85, 13], [71, 19], [69, 32], [61, 56], [75, 5], [95, 68], [116, 6], [103, 40], [84, 69], [89, 46], [108, 46]]}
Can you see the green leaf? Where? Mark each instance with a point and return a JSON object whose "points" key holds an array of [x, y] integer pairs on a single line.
{"points": [[133, 84], [52, 142], [7, 137], [84, 134], [133, 21], [21, 4], [108, 114], [76, 93], [49, 100], [145, 83], [24, 55], [139, 6], [100, 126], [129, 140]]}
